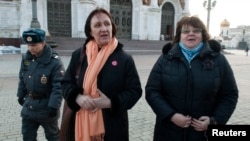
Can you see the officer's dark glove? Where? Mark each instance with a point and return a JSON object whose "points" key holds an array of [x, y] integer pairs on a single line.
{"points": [[52, 112], [21, 101]]}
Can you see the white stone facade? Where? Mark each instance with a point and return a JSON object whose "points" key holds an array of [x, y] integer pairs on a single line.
{"points": [[16, 16], [10, 21], [230, 37]]}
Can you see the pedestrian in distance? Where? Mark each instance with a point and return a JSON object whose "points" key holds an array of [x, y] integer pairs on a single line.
{"points": [[39, 88], [247, 50], [106, 86], [191, 85]]}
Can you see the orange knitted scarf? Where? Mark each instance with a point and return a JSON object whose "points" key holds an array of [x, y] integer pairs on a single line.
{"points": [[89, 125]]}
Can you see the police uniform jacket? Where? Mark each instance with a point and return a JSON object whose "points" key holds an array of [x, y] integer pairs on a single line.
{"points": [[205, 87], [118, 80], [40, 84]]}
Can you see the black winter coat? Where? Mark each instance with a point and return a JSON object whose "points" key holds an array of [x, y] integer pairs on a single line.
{"points": [[205, 87], [41, 77], [118, 80]]}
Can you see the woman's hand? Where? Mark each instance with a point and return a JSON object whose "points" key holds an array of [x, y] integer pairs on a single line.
{"points": [[201, 124], [102, 101], [85, 102], [181, 120], [93, 104]]}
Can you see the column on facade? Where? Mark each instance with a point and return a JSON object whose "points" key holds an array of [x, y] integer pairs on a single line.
{"points": [[80, 12], [104, 4], [186, 11], [153, 18], [25, 15], [154, 3], [136, 12]]}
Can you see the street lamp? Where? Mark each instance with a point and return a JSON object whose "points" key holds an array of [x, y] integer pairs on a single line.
{"points": [[34, 23], [244, 31], [208, 5]]}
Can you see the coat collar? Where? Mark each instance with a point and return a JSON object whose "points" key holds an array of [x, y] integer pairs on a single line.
{"points": [[45, 56], [210, 48]]}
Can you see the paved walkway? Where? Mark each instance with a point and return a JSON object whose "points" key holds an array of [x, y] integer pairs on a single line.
{"points": [[141, 117]]}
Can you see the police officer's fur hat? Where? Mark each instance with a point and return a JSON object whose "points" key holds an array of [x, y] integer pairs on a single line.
{"points": [[33, 35]]}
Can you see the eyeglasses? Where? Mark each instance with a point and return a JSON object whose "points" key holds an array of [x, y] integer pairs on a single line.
{"points": [[195, 30]]}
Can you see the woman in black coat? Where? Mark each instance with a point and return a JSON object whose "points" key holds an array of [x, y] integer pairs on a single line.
{"points": [[191, 85], [118, 84]]}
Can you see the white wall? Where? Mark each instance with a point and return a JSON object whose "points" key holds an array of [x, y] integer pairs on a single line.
{"points": [[146, 20]]}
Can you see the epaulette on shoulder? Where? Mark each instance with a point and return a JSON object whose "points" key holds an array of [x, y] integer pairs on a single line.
{"points": [[54, 55], [214, 45], [166, 48]]}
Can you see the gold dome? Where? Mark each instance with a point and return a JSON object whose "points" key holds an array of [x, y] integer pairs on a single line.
{"points": [[225, 23]]}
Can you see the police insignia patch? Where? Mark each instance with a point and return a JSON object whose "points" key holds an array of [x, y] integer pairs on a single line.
{"points": [[29, 39], [44, 79], [26, 63]]}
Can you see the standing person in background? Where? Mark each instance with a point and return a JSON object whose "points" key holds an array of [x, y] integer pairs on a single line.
{"points": [[39, 88], [191, 85], [107, 85], [246, 50]]}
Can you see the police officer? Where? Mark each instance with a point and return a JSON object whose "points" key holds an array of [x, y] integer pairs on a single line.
{"points": [[39, 88]]}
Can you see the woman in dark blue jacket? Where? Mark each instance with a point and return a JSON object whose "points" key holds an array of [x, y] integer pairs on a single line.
{"points": [[191, 85]]}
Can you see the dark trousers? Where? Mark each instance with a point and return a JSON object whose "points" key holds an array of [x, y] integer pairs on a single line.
{"points": [[30, 128]]}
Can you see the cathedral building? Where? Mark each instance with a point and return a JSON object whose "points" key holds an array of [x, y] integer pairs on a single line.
{"points": [[135, 19], [234, 38]]}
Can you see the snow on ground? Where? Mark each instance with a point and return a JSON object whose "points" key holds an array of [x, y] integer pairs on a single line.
{"points": [[9, 50]]}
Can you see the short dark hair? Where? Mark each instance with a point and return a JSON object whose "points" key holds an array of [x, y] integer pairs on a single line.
{"points": [[89, 18], [193, 21]]}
